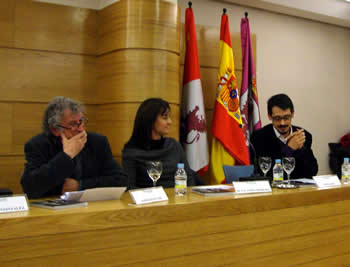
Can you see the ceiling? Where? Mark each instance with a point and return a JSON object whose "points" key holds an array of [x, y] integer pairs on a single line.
{"points": [[329, 11]]}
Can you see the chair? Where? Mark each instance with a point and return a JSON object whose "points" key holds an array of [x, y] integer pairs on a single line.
{"points": [[233, 173]]}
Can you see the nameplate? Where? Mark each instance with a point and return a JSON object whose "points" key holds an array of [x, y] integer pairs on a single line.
{"points": [[13, 204], [148, 195], [252, 187], [326, 181]]}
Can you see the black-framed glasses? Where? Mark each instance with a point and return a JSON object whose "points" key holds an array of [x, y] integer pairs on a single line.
{"points": [[279, 118], [75, 125]]}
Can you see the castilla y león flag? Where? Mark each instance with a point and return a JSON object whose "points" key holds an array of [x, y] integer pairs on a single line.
{"points": [[228, 146], [194, 132], [249, 93]]}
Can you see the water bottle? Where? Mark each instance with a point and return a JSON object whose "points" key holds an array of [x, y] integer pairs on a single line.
{"points": [[277, 172], [180, 180], [345, 171]]}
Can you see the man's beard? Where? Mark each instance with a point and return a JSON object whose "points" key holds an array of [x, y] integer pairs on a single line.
{"points": [[283, 129]]}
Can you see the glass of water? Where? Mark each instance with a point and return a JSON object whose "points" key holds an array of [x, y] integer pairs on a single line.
{"points": [[288, 164], [154, 170], [265, 164]]}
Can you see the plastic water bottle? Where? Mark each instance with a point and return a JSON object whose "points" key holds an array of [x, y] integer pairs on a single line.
{"points": [[180, 180], [345, 171], [277, 172]]}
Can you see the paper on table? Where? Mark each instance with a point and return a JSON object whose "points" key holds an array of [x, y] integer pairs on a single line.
{"points": [[95, 194], [303, 181]]}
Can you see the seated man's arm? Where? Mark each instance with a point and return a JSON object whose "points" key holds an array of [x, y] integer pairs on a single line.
{"points": [[305, 157], [111, 174], [42, 174]]}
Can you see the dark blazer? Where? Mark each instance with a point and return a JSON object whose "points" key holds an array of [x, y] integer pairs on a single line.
{"points": [[48, 166], [266, 143]]}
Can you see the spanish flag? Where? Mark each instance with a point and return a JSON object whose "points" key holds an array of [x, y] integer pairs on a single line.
{"points": [[228, 145]]}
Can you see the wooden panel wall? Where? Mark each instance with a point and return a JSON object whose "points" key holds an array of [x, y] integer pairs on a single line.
{"points": [[138, 58], [110, 60], [48, 50], [45, 50]]}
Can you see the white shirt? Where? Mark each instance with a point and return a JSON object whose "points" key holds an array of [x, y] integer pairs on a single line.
{"points": [[281, 137]]}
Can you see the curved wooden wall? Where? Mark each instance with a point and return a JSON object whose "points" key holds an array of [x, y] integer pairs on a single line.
{"points": [[45, 50], [138, 58], [110, 60]]}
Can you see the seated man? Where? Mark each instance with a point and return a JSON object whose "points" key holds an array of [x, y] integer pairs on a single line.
{"points": [[282, 139], [65, 157]]}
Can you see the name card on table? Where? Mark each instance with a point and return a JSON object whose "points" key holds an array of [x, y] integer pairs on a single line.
{"points": [[326, 180], [13, 204], [148, 195], [252, 187]]}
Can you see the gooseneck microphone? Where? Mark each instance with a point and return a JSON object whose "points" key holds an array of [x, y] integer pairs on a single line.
{"points": [[253, 159]]}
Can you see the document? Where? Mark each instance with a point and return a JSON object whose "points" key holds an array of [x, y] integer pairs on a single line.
{"points": [[95, 194], [214, 190]]}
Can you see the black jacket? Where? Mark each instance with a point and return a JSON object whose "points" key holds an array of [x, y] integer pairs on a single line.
{"points": [[266, 143], [48, 166]]}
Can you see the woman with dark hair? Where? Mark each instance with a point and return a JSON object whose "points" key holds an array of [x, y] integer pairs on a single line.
{"points": [[148, 143]]}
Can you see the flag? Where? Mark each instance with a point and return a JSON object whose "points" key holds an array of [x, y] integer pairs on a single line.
{"points": [[228, 146], [249, 93], [194, 132]]}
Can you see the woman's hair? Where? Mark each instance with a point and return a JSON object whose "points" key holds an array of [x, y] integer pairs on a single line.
{"points": [[54, 112], [146, 115]]}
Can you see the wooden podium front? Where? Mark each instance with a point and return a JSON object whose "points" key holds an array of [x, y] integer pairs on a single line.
{"points": [[299, 227]]}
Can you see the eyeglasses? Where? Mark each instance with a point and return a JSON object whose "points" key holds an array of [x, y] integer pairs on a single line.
{"points": [[75, 125], [279, 118]]}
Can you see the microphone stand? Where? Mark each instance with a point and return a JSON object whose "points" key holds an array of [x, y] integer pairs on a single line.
{"points": [[256, 174], [253, 159]]}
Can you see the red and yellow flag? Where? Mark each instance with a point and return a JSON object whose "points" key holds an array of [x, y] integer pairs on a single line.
{"points": [[228, 146]]}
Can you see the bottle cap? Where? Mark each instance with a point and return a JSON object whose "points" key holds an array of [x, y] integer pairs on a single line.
{"points": [[180, 165], [278, 161], [346, 160]]}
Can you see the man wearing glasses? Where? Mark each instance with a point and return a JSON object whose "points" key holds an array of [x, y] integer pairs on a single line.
{"points": [[282, 139], [65, 157]]}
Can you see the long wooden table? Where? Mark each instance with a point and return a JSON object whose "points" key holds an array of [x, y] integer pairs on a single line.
{"points": [[295, 227]]}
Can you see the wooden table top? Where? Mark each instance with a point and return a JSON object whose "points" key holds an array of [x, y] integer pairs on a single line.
{"points": [[277, 199], [193, 229]]}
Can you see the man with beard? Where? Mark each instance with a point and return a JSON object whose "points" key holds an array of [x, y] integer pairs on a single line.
{"points": [[282, 139]]}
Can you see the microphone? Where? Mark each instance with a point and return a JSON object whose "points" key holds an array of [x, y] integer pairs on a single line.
{"points": [[253, 158]]}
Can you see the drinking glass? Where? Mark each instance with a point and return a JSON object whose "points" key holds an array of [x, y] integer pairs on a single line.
{"points": [[154, 170], [288, 165], [265, 164]]}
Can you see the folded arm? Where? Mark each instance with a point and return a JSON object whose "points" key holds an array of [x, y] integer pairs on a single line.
{"points": [[42, 175]]}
